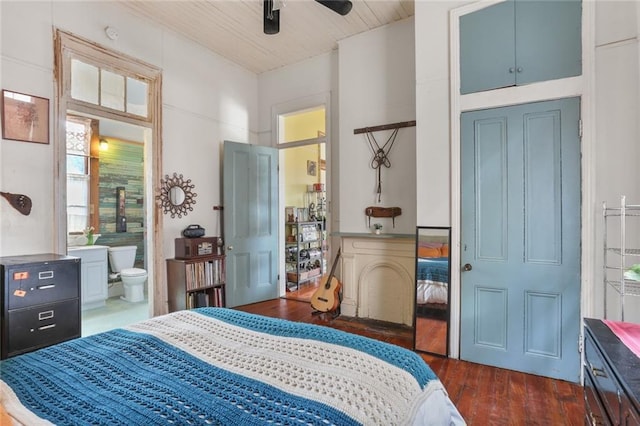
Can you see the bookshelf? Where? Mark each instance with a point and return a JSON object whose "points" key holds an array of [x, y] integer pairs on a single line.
{"points": [[195, 283], [304, 252]]}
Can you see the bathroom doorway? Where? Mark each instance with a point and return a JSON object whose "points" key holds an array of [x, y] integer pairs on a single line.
{"points": [[117, 98], [105, 202]]}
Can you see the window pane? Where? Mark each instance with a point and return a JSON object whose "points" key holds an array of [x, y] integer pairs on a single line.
{"points": [[112, 90], [77, 219], [77, 202], [137, 97], [77, 138], [309, 124], [77, 190], [84, 82], [76, 164]]}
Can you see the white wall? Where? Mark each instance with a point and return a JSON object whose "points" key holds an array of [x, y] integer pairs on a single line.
{"points": [[292, 87], [377, 87], [206, 99], [617, 62], [433, 171], [371, 80]]}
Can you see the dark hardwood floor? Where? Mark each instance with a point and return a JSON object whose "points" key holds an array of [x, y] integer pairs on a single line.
{"points": [[484, 395]]}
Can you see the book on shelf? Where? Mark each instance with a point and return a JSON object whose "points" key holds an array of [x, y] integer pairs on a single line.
{"points": [[202, 300], [198, 300], [210, 297], [206, 273], [218, 297]]}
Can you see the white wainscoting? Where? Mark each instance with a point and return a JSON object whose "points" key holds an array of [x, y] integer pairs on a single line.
{"points": [[378, 277]]}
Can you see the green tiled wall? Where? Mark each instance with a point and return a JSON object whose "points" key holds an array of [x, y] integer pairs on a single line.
{"points": [[122, 165]]}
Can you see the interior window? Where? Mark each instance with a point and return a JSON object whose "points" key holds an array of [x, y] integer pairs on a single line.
{"points": [[109, 89], [303, 125], [78, 138]]}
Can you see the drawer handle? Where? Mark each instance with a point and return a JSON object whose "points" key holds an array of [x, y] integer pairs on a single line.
{"points": [[45, 275], [595, 420], [598, 372], [46, 286], [45, 315], [45, 327]]}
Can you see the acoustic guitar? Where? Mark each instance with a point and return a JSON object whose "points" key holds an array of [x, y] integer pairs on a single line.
{"points": [[327, 296]]}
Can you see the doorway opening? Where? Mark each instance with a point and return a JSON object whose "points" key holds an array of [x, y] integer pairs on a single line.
{"points": [[303, 165], [108, 146]]}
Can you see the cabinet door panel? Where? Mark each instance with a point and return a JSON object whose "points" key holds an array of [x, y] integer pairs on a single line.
{"points": [[548, 40], [94, 282], [487, 48], [518, 42]]}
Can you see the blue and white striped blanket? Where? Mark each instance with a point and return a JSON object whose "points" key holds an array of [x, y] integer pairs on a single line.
{"points": [[216, 366]]}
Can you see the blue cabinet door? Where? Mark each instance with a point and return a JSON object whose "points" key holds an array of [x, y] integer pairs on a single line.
{"points": [[487, 48], [518, 42], [548, 40]]}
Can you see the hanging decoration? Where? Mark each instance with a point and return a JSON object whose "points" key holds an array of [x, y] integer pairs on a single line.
{"points": [[381, 153], [381, 156], [176, 196], [20, 202]]}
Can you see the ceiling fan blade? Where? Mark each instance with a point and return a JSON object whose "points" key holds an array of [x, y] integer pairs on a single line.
{"points": [[270, 18], [341, 7]]}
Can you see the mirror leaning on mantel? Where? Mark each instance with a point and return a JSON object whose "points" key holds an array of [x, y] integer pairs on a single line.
{"points": [[431, 313]]}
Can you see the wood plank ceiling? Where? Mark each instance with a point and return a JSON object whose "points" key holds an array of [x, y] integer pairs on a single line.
{"points": [[233, 28]]}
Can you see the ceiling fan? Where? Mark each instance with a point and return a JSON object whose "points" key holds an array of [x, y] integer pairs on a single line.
{"points": [[271, 12]]}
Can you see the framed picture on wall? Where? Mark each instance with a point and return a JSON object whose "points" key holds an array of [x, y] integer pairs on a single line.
{"points": [[312, 168], [25, 117]]}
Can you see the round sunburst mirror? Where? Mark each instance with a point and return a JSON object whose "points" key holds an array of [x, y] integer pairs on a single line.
{"points": [[176, 196]]}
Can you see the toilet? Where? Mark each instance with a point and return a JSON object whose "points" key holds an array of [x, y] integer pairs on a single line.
{"points": [[133, 279]]}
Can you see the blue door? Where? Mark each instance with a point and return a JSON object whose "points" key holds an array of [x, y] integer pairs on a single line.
{"points": [[250, 194], [520, 238]]}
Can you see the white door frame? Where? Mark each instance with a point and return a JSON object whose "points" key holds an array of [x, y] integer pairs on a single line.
{"points": [[582, 86], [277, 111]]}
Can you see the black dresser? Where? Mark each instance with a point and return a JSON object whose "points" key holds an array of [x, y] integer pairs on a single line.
{"points": [[611, 378], [40, 302]]}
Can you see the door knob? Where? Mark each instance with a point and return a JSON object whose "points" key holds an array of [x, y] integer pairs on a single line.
{"points": [[512, 70], [467, 267], [229, 248]]}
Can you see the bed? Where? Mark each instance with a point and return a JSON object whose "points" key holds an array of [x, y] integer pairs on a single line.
{"points": [[432, 281], [222, 366]]}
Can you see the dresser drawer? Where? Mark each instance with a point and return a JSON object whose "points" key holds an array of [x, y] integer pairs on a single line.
{"points": [[629, 416], [36, 284], [603, 380], [41, 326], [595, 414]]}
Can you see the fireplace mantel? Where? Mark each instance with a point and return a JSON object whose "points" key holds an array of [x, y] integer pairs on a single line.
{"points": [[378, 276]]}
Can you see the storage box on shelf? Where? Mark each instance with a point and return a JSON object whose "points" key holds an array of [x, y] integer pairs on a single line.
{"points": [[197, 282], [619, 257], [304, 256], [316, 199]]}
